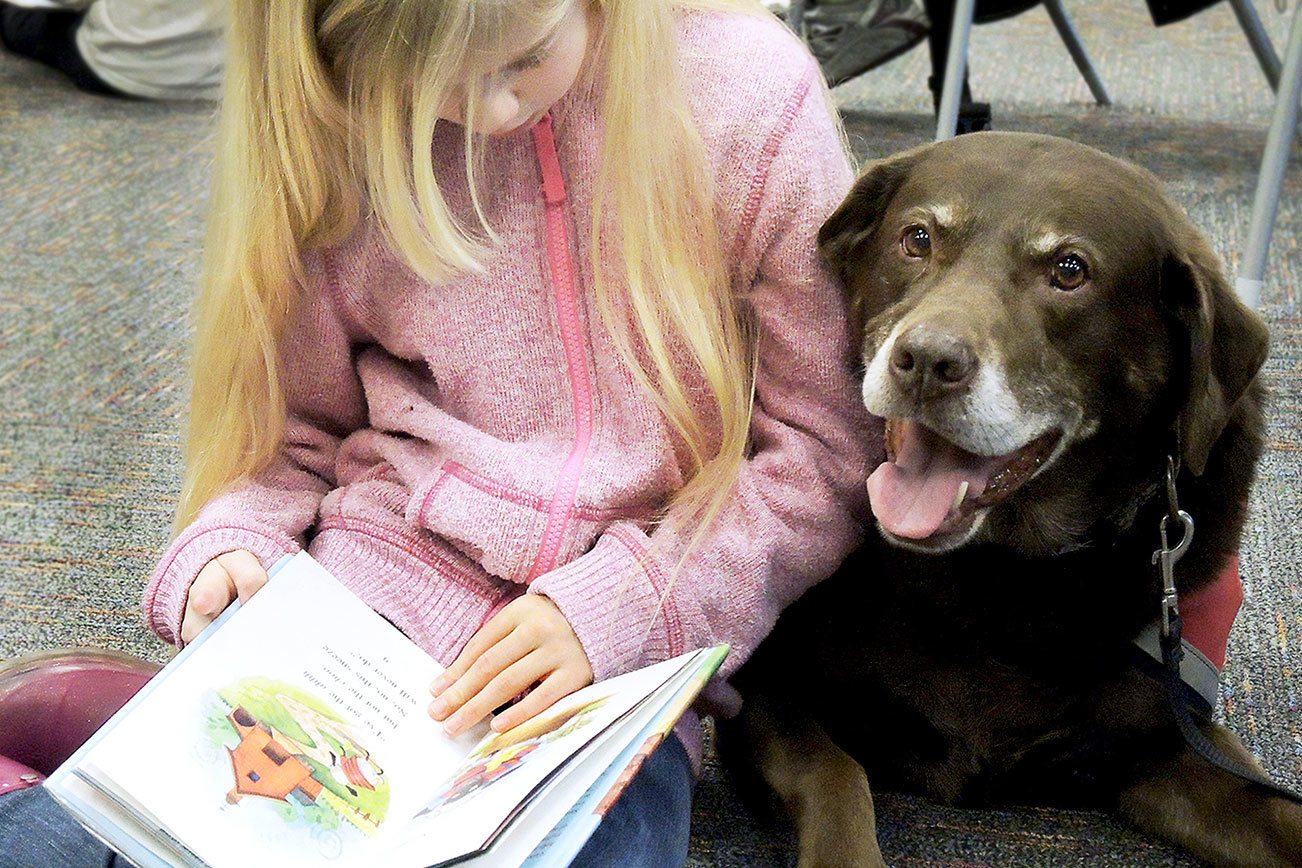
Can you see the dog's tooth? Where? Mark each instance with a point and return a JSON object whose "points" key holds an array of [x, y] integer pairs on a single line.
{"points": [[958, 498]]}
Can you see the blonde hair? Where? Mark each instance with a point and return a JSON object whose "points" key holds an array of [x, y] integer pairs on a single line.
{"points": [[339, 115]]}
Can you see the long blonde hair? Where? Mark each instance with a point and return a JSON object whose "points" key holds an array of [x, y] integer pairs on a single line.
{"points": [[330, 107]]}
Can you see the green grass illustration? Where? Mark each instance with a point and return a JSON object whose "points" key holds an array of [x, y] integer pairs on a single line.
{"points": [[261, 697]]}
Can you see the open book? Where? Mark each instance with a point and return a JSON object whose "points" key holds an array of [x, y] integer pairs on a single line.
{"points": [[295, 731]]}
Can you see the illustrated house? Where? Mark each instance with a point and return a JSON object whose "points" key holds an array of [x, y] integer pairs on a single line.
{"points": [[263, 767]]}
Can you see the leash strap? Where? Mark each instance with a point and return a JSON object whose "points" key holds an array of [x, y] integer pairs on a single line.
{"points": [[1200, 676], [1182, 694], [1178, 694]]}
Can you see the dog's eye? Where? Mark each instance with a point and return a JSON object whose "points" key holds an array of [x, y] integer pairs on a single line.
{"points": [[916, 242], [1069, 272]]}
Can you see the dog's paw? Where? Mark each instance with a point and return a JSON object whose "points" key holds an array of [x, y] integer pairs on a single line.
{"points": [[841, 831], [1283, 835], [832, 850], [1218, 816]]}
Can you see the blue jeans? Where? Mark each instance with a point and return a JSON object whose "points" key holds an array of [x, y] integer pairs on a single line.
{"points": [[649, 827], [651, 824]]}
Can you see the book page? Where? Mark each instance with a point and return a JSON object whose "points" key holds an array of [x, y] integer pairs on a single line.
{"points": [[571, 833], [297, 733], [551, 814], [473, 803]]}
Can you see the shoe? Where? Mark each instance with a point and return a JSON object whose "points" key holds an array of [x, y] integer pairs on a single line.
{"points": [[33, 32], [973, 117], [51, 702], [851, 37], [49, 36]]}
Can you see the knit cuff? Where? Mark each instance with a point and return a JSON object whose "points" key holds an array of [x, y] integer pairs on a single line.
{"points": [[169, 587], [613, 597]]}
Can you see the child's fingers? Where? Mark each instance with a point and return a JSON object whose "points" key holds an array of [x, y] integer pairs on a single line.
{"points": [[554, 688], [497, 629], [192, 625], [245, 571], [488, 666], [212, 591], [509, 683], [210, 594]]}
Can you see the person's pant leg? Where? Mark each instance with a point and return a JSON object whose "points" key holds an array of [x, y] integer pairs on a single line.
{"points": [[36, 832], [650, 826], [70, 5], [157, 49]]}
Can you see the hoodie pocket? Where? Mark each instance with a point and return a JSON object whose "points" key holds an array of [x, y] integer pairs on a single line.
{"points": [[499, 526]]}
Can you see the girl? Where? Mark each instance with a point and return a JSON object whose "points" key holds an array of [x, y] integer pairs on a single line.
{"points": [[513, 317]]}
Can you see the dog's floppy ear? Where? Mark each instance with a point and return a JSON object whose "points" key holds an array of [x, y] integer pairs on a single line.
{"points": [[854, 221], [1227, 345]]}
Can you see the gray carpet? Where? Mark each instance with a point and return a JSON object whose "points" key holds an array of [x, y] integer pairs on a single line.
{"points": [[100, 215]]}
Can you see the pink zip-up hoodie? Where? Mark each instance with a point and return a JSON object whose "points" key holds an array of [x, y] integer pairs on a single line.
{"points": [[452, 447]]}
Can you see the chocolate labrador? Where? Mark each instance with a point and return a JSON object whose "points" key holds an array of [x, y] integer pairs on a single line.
{"points": [[1041, 327]]}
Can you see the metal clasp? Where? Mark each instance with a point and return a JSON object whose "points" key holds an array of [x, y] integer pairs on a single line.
{"points": [[1167, 556]]}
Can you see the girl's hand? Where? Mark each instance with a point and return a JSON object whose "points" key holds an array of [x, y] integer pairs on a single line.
{"points": [[529, 641], [238, 573]]}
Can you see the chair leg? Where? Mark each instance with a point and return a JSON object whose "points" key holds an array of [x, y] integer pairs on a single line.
{"points": [[1274, 162], [796, 17], [1258, 39], [955, 70], [1072, 40]]}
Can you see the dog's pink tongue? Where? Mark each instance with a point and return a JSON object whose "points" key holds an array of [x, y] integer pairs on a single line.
{"points": [[912, 495]]}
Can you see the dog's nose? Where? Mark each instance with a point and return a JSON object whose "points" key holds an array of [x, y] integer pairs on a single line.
{"points": [[929, 363]]}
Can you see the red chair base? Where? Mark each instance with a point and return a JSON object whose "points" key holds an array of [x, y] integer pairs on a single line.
{"points": [[51, 702]]}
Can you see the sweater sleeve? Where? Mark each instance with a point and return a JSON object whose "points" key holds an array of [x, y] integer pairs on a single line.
{"points": [[794, 511], [269, 514]]}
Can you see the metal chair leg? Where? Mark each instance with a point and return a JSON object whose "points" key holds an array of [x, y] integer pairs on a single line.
{"points": [[955, 67], [1071, 38], [1258, 39], [1270, 183]]}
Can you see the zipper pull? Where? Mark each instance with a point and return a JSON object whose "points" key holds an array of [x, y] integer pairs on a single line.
{"points": [[544, 142]]}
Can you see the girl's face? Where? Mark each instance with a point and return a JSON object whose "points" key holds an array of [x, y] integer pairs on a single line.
{"points": [[534, 72]]}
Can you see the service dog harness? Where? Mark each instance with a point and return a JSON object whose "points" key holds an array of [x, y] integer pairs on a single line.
{"points": [[1190, 670]]}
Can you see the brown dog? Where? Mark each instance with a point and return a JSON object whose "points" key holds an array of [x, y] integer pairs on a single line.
{"points": [[1041, 328]]}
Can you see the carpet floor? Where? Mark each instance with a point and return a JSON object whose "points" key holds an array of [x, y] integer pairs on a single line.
{"points": [[101, 206]]}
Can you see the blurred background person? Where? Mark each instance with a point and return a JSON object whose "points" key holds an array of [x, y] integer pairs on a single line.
{"points": [[151, 49], [850, 37]]}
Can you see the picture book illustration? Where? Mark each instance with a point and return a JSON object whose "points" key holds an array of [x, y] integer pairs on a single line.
{"points": [[286, 746], [501, 753]]}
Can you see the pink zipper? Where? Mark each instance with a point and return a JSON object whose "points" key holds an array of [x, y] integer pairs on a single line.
{"points": [[567, 312]]}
